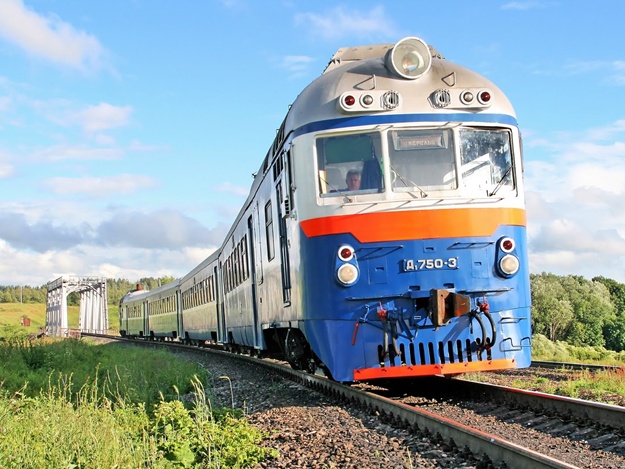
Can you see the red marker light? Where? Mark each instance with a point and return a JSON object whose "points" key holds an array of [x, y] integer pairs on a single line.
{"points": [[349, 100], [507, 244], [484, 97], [346, 253]]}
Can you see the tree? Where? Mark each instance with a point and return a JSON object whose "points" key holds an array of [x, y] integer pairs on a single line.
{"points": [[552, 312], [614, 330]]}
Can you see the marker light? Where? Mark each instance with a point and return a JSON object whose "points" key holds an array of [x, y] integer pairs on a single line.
{"points": [[410, 58], [484, 97], [349, 100], [347, 274], [507, 245], [366, 100], [466, 97], [346, 253], [509, 264]]}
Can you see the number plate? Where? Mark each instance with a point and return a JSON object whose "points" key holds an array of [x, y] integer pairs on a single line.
{"points": [[411, 265]]}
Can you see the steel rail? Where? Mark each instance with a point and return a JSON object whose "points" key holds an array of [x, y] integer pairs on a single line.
{"points": [[478, 442], [575, 366], [576, 409]]}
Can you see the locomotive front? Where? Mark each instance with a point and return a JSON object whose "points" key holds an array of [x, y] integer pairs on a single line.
{"points": [[410, 206]]}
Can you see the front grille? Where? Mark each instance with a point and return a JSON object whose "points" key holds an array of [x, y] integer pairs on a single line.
{"points": [[433, 353]]}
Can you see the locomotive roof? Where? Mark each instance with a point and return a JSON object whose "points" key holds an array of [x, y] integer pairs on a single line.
{"points": [[352, 54]]}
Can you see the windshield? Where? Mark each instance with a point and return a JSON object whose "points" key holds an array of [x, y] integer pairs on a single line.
{"points": [[419, 162], [422, 160], [486, 160]]}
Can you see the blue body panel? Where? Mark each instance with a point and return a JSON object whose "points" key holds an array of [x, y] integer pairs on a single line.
{"points": [[345, 331]]}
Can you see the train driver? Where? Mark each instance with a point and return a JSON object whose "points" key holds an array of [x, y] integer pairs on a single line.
{"points": [[353, 180]]}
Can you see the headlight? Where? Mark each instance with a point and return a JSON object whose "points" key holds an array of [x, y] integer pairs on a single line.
{"points": [[509, 264], [347, 274], [410, 58]]}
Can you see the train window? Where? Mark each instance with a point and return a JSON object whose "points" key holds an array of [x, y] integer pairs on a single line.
{"points": [[422, 160], [349, 163], [486, 159], [246, 264], [269, 231]]}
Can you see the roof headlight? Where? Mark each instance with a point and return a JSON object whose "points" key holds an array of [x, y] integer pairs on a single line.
{"points": [[410, 58]]}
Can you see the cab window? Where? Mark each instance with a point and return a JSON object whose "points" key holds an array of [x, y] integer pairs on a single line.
{"points": [[349, 164]]}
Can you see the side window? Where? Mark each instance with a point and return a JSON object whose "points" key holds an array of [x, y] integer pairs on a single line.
{"points": [[269, 231], [349, 163]]}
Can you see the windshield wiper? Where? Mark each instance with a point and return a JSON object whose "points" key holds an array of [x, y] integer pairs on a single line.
{"points": [[500, 183], [412, 183], [335, 189]]}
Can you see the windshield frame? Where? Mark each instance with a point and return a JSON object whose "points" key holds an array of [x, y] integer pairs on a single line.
{"points": [[502, 183]]}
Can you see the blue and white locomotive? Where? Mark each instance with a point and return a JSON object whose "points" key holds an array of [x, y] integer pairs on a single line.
{"points": [[384, 235]]}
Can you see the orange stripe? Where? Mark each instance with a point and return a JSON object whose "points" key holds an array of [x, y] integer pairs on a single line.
{"points": [[364, 374], [416, 224]]}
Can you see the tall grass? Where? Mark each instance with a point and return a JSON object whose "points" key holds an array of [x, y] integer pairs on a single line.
{"points": [[71, 404]]}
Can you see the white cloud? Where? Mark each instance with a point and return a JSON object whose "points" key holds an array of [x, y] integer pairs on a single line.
{"points": [[22, 267], [99, 186], [6, 168], [160, 229], [297, 65], [575, 193], [230, 188], [102, 117], [78, 152], [341, 22], [49, 38], [522, 5]]}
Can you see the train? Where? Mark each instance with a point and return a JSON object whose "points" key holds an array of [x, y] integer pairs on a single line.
{"points": [[384, 234]]}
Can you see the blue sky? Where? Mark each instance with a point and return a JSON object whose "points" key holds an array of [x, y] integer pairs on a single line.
{"points": [[129, 129]]}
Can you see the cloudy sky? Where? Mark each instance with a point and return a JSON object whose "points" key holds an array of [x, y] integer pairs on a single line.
{"points": [[129, 129]]}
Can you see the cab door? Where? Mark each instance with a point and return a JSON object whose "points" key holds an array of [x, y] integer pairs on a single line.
{"points": [[284, 197]]}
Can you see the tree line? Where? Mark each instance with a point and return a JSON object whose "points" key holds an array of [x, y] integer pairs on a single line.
{"points": [[567, 308]]}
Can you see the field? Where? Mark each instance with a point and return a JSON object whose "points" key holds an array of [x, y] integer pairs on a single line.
{"points": [[12, 314]]}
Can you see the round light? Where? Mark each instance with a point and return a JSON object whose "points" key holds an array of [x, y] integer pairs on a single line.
{"points": [[507, 244], [410, 58], [509, 264], [347, 274], [346, 253], [349, 100], [466, 97], [367, 100], [484, 97]]}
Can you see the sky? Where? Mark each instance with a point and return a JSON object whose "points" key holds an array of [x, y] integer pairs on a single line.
{"points": [[130, 129]]}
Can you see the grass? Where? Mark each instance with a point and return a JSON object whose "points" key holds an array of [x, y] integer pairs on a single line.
{"points": [[74, 404], [603, 386]]}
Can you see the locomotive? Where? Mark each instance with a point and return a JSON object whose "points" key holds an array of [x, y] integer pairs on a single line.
{"points": [[384, 234]]}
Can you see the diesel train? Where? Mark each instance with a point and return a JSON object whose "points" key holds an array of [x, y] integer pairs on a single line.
{"points": [[384, 235]]}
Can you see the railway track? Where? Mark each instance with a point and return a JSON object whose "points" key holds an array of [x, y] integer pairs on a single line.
{"points": [[574, 366], [562, 419]]}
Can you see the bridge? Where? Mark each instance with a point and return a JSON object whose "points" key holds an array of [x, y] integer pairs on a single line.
{"points": [[93, 305]]}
